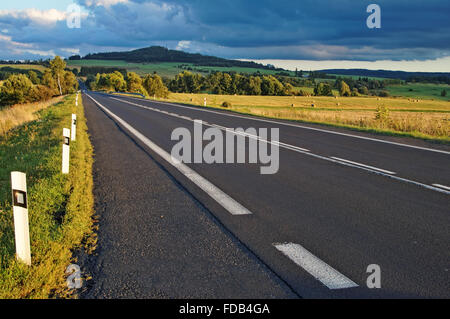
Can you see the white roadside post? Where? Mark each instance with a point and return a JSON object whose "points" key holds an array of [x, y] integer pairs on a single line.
{"points": [[20, 210], [204, 102], [66, 151], [74, 127], [76, 100]]}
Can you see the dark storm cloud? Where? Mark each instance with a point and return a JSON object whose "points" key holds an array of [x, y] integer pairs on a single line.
{"points": [[307, 29]]}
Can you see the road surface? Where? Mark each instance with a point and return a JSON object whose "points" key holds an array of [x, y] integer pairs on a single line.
{"points": [[341, 201]]}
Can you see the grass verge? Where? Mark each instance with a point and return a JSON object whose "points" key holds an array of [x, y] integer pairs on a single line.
{"points": [[60, 206], [15, 115]]}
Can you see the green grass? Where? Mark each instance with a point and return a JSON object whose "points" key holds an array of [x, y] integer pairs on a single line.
{"points": [[420, 91], [60, 206], [167, 69], [25, 66]]}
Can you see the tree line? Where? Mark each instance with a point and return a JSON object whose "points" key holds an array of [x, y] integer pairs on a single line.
{"points": [[231, 83], [35, 86], [150, 85]]}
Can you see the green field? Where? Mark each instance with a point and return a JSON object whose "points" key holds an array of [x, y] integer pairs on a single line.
{"points": [[420, 91], [167, 69], [25, 66]]}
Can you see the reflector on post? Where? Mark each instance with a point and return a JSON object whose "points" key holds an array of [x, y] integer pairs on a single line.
{"points": [[20, 211], [66, 151], [74, 127]]}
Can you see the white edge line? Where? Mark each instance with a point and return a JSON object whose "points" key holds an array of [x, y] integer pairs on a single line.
{"points": [[363, 165], [442, 186], [301, 126], [320, 270], [213, 191]]}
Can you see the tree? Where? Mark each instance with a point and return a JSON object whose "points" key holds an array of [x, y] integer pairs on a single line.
{"points": [[323, 89], [48, 80], [271, 86], [134, 84], [69, 84], [254, 85], [16, 89], [117, 81], [57, 66], [155, 86], [344, 89], [33, 77], [444, 93], [363, 90]]}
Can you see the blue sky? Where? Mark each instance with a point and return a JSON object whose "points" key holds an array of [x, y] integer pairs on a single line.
{"points": [[415, 35]]}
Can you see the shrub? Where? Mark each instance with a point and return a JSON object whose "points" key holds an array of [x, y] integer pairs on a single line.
{"points": [[226, 104], [15, 90], [42, 93], [382, 114]]}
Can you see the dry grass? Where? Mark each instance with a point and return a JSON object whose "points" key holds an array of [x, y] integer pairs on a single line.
{"points": [[16, 115]]}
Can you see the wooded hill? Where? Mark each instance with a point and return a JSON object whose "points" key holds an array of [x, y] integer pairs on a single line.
{"points": [[160, 54]]}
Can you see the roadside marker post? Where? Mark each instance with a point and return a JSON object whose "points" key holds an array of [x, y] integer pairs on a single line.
{"points": [[66, 151], [20, 210], [204, 102], [74, 127]]}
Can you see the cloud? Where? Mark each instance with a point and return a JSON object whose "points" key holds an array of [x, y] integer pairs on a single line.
{"points": [[38, 17], [264, 29]]}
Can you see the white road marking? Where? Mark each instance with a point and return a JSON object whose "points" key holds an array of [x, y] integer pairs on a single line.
{"points": [[285, 145], [320, 270], [363, 165], [307, 152], [213, 191], [442, 186], [301, 126]]}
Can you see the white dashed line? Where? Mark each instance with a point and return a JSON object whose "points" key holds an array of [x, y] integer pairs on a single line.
{"points": [[363, 165], [320, 270]]}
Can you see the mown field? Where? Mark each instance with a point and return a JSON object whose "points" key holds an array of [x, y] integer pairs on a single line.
{"points": [[60, 206], [24, 66], [426, 119], [167, 69]]}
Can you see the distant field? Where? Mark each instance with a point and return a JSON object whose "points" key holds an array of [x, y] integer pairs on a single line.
{"points": [[355, 77], [424, 119], [420, 91], [167, 69], [24, 66]]}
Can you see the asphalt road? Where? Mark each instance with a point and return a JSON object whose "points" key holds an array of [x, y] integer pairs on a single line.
{"points": [[341, 201]]}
